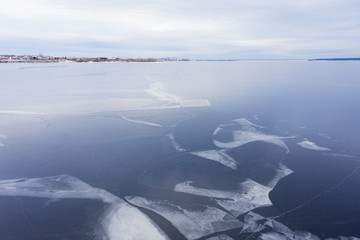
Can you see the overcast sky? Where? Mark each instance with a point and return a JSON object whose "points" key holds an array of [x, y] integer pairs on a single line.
{"points": [[182, 28]]}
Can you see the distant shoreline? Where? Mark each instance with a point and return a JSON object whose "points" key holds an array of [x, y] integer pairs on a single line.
{"points": [[50, 59], [335, 59]]}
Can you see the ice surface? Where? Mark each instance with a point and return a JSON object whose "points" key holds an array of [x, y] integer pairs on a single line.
{"points": [[121, 220], [191, 223], [247, 133], [141, 122], [310, 145], [218, 156], [248, 196]]}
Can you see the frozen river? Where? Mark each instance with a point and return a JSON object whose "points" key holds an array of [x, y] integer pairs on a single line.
{"points": [[180, 150]]}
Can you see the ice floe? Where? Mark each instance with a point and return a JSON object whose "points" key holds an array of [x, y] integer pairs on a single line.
{"points": [[192, 223], [121, 220], [218, 156], [247, 133], [248, 196], [141, 122], [62, 186], [310, 145]]}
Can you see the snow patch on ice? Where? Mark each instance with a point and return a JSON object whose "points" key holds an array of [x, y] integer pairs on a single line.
{"points": [[246, 123], [310, 145], [218, 156], [248, 196], [17, 112], [2, 136], [192, 224], [141, 122], [339, 155], [176, 146], [247, 133], [157, 90], [281, 172], [242, 137], [220, 237], [279, 227], [121, 220], [62, 186], [272, 236], [187, 188], [305, 236]]}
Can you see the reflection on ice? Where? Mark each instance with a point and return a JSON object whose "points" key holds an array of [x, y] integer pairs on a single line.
{"points": [[310, 145], [218, 156], [192, 223], [243, 132], [121, 221]]}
